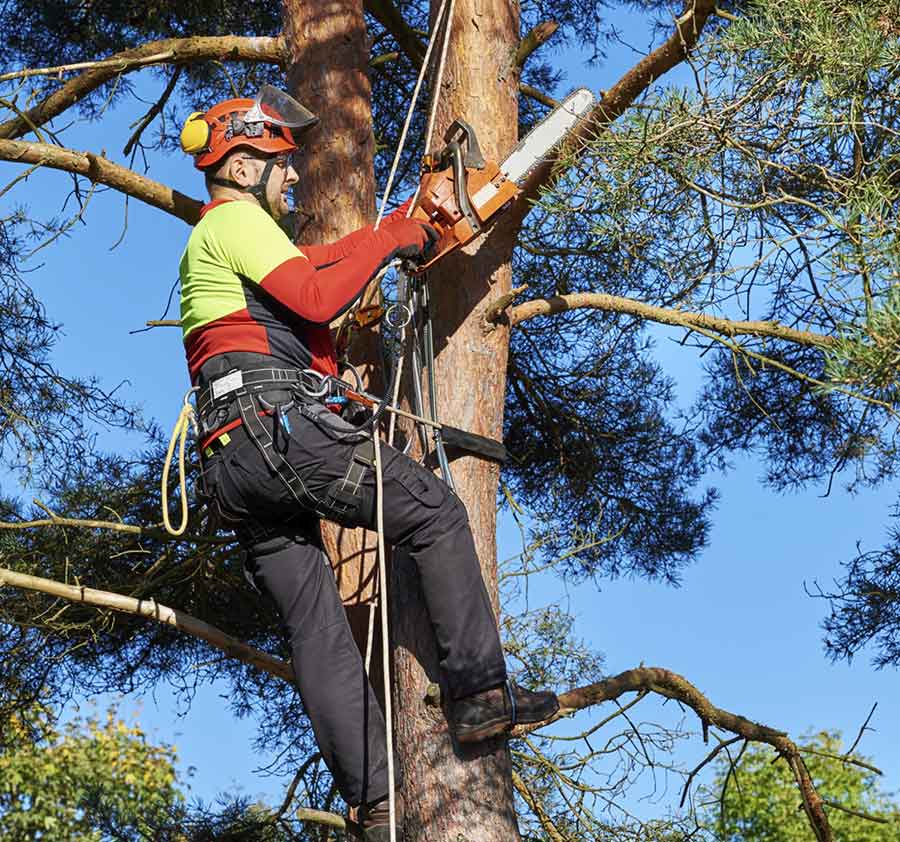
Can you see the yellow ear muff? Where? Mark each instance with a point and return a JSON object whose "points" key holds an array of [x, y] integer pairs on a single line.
{"points": [[195, 134]]}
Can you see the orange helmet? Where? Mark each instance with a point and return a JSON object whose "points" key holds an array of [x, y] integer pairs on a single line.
{"points": [[271, 123]]}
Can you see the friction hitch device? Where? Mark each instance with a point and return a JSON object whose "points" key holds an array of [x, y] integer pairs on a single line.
{"points": [[460, 191]]}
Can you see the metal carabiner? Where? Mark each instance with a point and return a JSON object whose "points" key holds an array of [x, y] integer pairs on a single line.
{"points": [[407, 318], [312, 393]]}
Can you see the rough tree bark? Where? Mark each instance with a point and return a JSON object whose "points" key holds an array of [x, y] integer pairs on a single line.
{"points": [[449, 793], [327, 44]]}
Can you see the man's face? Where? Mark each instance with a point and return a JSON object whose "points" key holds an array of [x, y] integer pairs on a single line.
{"points": [[248, 169], [282, 179]]}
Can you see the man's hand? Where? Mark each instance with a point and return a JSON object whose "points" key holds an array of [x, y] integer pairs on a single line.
{"points": [[415, 239]]}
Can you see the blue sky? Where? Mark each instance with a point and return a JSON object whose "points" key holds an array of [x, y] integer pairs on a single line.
{"points": [[740, 627]]}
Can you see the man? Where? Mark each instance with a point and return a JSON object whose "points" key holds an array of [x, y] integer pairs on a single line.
{"points": [[255, 312]]}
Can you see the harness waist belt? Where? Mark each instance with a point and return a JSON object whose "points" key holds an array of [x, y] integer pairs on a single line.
{"points": [[223, 390]]}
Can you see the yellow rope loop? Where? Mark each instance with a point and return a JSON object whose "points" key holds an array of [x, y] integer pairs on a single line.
{"points": [[186, 418]]}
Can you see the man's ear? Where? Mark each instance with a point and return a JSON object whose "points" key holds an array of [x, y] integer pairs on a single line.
{"points": [[237, 168]]}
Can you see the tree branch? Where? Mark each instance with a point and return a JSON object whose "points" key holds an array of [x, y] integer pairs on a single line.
{"points": [[538, 96], [620, 96], [103, 171], [119, 65], [633, 307], [110, 525], [389, 16], [670, 685], [538, 36], [151, 609], [153, 113], [168, 50]]}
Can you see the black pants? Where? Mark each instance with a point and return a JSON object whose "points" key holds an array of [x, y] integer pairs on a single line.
{"points": [[420, 513]]}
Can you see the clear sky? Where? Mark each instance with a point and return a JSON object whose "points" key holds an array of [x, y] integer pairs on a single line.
{"points": [[740, 628]]}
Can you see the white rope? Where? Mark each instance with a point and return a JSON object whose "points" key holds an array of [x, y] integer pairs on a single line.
{"points": [[373, 605], [412, 106], [439, 79], [376, 439], [385, 644]]}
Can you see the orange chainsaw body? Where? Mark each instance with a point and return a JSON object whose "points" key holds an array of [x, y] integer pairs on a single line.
{"points": [[460, 218]]}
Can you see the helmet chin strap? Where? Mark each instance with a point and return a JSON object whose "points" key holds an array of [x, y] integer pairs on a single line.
{"points": [[258, 190]]}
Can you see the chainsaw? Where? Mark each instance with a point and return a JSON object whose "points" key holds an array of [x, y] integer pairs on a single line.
{"points": [[461, 193]]}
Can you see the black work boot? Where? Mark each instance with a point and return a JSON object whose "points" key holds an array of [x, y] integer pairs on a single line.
{"points": [[375, 820], [495, 711]]}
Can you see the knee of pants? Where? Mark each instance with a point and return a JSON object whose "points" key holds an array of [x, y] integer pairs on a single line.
{"points": [[451, 515], [455, 511]]}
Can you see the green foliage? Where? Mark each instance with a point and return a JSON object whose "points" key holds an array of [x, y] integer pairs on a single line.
{"points": [[867, 356], [761, 803], [840, 45], [57, 786], [46, 417]]}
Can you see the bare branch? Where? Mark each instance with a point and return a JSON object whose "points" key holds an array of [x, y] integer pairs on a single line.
{"points": [[151, 609], [670, 685], [863, 728], [538, 96], [153, 113], [109, 525], [389, 16], [538, 36], [119, 65], [678, 318], [534, 805], [169, 50], [103, 171], [858, 813]]}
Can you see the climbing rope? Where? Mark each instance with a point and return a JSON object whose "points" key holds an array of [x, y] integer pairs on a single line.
{"points": [[394, 394], [186, 419], [439, 78]]}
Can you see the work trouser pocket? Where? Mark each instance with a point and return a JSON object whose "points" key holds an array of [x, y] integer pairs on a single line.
{"points": [[422, 485], [333, 426], [348, 500]]}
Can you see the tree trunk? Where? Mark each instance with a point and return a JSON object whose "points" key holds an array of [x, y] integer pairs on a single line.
{"points": [[451, 793], [329, 54]]}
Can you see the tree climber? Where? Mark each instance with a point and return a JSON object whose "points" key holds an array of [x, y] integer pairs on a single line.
{"points": [[255, 312]]}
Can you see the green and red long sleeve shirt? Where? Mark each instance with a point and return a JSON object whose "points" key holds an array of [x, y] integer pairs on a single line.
{"points": [[246, 287]]}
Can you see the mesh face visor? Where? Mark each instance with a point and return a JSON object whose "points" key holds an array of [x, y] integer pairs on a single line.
{"points": [[278, 108]]}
